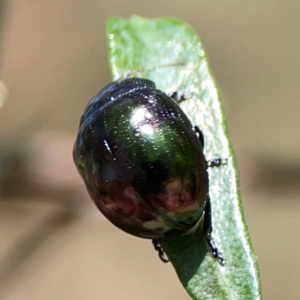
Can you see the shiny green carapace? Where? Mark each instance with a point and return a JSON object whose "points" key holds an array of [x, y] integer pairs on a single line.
{"points": [[142, 160]]}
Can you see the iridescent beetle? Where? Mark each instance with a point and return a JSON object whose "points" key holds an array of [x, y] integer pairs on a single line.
{"points": [[142, 162]]}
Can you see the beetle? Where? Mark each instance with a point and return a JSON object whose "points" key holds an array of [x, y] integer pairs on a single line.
{"points": [[142, 162]]}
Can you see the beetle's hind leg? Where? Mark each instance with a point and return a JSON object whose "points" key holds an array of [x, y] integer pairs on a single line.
{"points": [[160, 251], [207, 231]]}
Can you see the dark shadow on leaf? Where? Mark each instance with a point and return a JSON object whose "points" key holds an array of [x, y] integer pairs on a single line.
{"points": [[186, 253]]}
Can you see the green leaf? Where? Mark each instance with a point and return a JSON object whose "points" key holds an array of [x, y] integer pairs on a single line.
{"points": [[169, 52]]}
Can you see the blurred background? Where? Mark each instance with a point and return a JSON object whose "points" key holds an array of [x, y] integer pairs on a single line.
{"points": [[54, 244]]}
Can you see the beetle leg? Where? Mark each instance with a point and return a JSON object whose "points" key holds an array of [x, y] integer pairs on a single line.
{"points": [[178, 98], [217, 162], [207, 230], [159, 249], [200, 135]]}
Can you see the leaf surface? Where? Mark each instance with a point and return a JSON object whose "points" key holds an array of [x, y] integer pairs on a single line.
{"points": [[169, 52]]}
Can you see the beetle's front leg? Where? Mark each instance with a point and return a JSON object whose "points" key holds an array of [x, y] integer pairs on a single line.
{"points": [[178, 97]]}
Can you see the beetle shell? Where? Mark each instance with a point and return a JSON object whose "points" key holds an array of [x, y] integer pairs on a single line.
{"points": [[141, 160]]}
